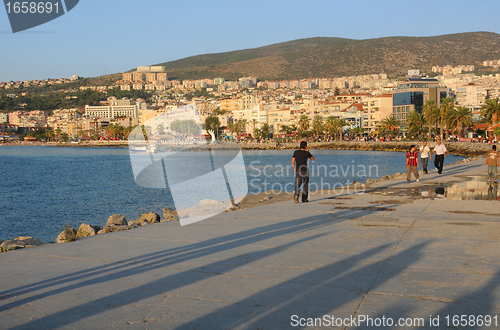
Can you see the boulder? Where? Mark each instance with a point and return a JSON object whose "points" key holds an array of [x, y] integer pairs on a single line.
{"points": [[144, 220], [86, 230], [67, 235], [20, 242], [169, 215], [116, 220], [109, 229], [150, 217]]}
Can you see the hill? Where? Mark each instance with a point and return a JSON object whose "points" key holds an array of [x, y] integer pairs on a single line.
{"points": [[335, 57]]}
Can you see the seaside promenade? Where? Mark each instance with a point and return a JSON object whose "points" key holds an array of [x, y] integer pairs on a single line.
{"points": [[399, 252]]}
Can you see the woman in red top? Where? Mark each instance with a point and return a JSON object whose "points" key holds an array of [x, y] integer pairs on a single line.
{"points": [[411, 164]]}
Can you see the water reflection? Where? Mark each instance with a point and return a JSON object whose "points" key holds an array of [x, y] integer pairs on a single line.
{"points": [[476, 189]]}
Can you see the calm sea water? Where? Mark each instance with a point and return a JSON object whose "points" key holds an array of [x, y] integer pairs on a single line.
{"points": [[44, 188]]}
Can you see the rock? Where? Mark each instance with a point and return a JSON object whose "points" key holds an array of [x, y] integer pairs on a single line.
{"points": [[20, 242], [116, 220], [150, 217], [67, 235], [169, 215], [110, 229], [86, 230], [369, 181], [386, 177]]}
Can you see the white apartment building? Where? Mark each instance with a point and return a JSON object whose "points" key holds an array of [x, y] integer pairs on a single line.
{"points": [[471, 96], [111, 111]]}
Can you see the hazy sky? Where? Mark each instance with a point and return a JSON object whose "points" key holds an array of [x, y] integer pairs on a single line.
{"points": [[111, 36]]}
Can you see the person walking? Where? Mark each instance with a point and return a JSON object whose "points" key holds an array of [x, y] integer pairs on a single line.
{"points": [[299, 163], [412, 164], [439, 152], [425, 154], [493, 161]]}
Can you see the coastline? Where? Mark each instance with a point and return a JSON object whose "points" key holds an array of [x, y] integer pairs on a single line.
{"points": [[465, 149], [250, 201]]}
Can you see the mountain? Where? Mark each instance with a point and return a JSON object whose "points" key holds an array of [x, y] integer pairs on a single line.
{"points": [[336, 57]]}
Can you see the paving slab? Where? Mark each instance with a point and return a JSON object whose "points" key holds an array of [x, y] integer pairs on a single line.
{"points": [[382, 253]]}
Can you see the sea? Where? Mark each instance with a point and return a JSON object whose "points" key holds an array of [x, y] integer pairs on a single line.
{"points": [[43, 188]]}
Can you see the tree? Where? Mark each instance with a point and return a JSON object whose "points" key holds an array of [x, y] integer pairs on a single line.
{"points": [[304, 123], [331, 125], [431, 114], [416, 123], [341, 123], [317, 125], [447, 104], [115, 130], [337, 91], [186, 127], [284, 129], [491, 110], [254, 123], [161, 129], [460, 117], [57, 134], [212, 126], [389, 125], [265, 130], [241, 124], [65, 137]]}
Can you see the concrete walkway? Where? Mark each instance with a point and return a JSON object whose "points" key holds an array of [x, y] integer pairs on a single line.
{"points": [[377, 255]]}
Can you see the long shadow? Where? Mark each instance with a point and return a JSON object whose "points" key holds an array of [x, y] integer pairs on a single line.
{"points": [[479, 302], [140, 265], [178, 254], [191, 251], [311, 295], [165, 284], [484, 298]]}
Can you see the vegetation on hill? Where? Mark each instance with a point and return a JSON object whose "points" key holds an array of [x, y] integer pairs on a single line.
{"points": [[335, 57]]}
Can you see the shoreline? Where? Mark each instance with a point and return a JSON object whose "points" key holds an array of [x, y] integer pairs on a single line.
{"points": [[465, 149], [262, 198]]}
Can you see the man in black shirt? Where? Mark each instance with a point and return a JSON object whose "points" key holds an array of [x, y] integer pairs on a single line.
{"points": [[299, 163]]}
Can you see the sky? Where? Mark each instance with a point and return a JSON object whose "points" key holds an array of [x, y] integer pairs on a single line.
{"points": [[112, 36]]}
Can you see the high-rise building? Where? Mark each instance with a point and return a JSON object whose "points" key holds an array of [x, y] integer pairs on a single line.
{"points": [[412, 94]]}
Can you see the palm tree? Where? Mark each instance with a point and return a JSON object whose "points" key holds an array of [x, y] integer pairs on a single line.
{"points": [[491, 110], [317, 125], [416, 123], [304, 123], [265, 130], [459, 117], [58, 133], [447, 104], [331, 125], [284, 129], [340, 126], [241, 126], [389, 124], [232, 128], [254, 123], [431, 114]]}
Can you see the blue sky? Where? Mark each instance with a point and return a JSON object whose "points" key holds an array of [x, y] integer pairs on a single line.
{"points": [[111, 36]]}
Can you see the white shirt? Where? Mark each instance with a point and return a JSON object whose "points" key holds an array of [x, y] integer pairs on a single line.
{"points": [[440, 149], [424, 152]]}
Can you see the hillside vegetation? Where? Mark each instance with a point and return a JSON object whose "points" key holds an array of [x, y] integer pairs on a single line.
{"points": [[336, 57]]}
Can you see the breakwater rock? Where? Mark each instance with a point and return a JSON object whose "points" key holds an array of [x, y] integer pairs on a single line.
{"points": [[19, 243], [465, 149]]}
